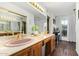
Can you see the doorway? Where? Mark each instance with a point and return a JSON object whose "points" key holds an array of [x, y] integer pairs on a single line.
{"points": [[64, 26], [48, 24], [24, 27]]}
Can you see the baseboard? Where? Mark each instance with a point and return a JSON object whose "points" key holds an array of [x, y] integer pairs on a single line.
{"points": [[77, 52], [68, 41]]}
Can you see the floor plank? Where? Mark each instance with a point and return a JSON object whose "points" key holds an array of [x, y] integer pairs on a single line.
{"points": [[64, 48]]}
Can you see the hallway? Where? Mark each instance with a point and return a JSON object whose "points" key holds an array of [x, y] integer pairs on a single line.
{"points": [[65, 48]]}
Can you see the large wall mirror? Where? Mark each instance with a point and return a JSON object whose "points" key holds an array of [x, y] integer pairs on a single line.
{"points": [[11, 22]]}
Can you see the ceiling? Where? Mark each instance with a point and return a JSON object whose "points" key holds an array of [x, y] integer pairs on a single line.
{"points": [[59, 8], [54, 8], [26, 7]]}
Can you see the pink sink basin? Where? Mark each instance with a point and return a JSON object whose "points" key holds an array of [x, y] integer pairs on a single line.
{"points": [[14, 43]]}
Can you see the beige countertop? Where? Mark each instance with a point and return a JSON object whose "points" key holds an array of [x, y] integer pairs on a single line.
{"points": [[6, 51]]}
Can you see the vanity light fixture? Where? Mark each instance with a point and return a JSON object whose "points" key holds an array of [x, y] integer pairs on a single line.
{"points": [[2, 22], [8, 18], [37, 6], [12, 16]]}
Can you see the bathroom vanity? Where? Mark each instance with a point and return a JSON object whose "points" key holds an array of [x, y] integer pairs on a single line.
{"points": [[31, 48]]}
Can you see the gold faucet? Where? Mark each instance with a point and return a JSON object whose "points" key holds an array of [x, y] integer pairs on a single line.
{"points": [[19, 36]]}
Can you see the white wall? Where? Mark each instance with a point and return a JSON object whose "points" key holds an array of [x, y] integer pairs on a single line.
{"points": [[71, 28], [77, 29], [77, 37], [14, 8]]}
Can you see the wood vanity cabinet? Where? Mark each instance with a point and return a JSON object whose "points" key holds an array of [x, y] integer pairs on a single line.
{"points": [[47, 47], [46, 40], [37, 49], [24, 52], [52, 43]]}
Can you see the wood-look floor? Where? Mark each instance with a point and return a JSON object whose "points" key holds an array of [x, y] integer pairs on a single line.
{"points": [[64, 48]]}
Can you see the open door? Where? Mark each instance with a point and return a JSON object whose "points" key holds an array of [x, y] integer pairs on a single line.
{"points": [[48, 24], [24, 27]]}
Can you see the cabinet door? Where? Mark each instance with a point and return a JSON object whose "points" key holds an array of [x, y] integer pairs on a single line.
{"points": [[48, 48], [52, 43], [37, 49], [24, 52]]}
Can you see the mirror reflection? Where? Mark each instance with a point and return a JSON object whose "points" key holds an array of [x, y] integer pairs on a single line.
{"points": [[11, 23]]}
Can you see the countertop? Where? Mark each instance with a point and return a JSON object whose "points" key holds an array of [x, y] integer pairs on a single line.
{"points": [[6, 51]]}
